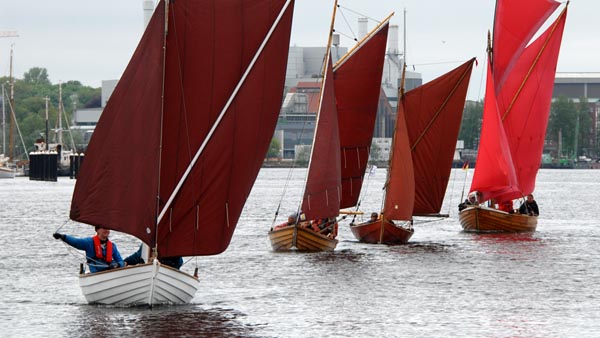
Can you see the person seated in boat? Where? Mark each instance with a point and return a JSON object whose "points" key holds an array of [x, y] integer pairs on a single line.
{"points": [[101, 253], [470, 200], [529, 207], [326, 226], [290, 221], [136, 258], [374, 217]]}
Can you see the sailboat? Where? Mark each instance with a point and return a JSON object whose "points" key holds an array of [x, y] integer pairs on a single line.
{"points": [[349, 97], [520, 78], [427, 125], [180, 143]]}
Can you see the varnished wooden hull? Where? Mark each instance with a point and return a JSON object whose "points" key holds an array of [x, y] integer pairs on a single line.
{"points": [[482, 219], [371, 232], [301, 239]]}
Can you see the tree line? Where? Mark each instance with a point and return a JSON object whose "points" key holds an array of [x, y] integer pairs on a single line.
{"points": [[570, 122], [30, 107]]}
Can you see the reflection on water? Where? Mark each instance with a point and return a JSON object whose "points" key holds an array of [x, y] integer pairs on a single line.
{"points": [[161, 321]]}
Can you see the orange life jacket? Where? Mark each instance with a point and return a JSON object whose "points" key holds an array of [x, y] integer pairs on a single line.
{"points": [[98, 249]]}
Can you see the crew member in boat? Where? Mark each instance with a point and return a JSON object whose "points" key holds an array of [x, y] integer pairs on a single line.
{"points": [[374, 217], [326, 226], [290, 221], [471, 200], [101, 253], [136, 258], [529, 207]]}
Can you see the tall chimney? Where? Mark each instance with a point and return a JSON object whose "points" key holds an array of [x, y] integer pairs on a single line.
{"points": [[393, 40], [362, 27], [148, 6]]}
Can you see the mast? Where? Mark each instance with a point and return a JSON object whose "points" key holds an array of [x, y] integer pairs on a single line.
{"points": [[3, 123], [11, 104], [47, 129], [154, 252], [404, 46], [60, 113], [324, 73]]}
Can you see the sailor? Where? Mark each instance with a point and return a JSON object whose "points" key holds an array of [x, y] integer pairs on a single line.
{"points": [[529, 207], [101, 253]]}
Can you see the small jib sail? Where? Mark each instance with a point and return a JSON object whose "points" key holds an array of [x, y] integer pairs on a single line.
{"points": [[357, 78], [433, 114], [182, 138], [518, 97], [322, 192]]}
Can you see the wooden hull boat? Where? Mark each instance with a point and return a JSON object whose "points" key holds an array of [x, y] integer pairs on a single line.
{"points": [[301, 239], [483, 219], [144, 284], [381, 232]]}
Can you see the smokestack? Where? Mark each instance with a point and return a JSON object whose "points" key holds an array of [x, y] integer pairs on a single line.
{"points": [[148, 6], [362, 27], [393, 40]]}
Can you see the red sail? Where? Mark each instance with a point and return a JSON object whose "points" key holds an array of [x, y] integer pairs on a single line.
{"points": [[524, 103], [433, 115], [323, 184], [357, 87], [210, 47], [400, 186], [494, 173], [516, 23]]}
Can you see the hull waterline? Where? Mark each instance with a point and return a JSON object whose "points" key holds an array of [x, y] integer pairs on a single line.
{"points": [[371, 232], [144, 284], [300, 239], [483, 219]]}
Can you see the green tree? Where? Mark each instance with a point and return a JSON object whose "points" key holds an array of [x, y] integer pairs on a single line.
{"points": [[471, 124], [274, 149], [30, 105], [585, 137], [36, 75], [375, 153], [563, 117]]}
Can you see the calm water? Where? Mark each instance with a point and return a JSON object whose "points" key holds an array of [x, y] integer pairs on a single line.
{"points": [[444, 283]]}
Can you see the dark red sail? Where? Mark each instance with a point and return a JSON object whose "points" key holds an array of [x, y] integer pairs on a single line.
{"points": [[323, 184], [433, 115], [357, 86], [224, 67]]}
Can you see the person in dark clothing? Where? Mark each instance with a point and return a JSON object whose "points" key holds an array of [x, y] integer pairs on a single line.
{"points": [[472, 200], [101, 254], [136, 258], [529, 207]]}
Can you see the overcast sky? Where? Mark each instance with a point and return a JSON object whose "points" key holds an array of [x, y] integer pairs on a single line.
{"points": [[91, 41]]}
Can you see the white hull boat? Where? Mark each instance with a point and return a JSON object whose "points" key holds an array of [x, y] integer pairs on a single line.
{"points": [[6, 172], [144, 284]]}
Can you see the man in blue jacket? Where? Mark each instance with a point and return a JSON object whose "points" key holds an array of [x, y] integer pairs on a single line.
{"points": [[101, 253]]}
